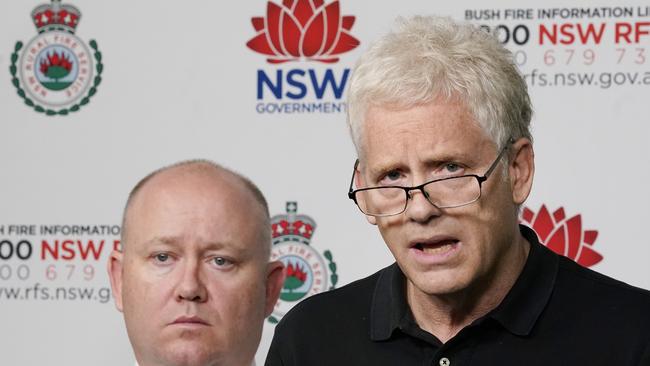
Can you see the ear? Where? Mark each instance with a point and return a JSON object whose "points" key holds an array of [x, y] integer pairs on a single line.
{"points": [[115, 266], [274, 282], [358, 182], [521, 170]]}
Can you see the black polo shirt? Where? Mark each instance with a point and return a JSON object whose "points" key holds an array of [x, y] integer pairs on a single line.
{"points": [[557, 313]]}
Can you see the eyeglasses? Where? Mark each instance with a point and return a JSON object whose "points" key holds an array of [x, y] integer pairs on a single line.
{"points": [[447, 192]]}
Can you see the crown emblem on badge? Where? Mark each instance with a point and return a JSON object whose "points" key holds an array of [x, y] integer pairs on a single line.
{"points": [[55, 16], [56, 73], [292, 227], [307, 271]]}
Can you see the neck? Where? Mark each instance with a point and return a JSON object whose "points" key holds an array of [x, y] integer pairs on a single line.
{"points": [[252, 363], [248, 363], [444, 315]]}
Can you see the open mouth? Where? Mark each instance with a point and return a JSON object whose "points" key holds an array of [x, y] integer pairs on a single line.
{"points": [[436, 247]]}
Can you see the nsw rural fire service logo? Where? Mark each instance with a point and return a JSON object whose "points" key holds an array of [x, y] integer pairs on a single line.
{"points": [[307, 272], [56, 73], [303, 30], [563, 236]]}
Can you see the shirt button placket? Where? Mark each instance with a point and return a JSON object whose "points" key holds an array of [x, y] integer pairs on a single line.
{"points": [[444, 362]]}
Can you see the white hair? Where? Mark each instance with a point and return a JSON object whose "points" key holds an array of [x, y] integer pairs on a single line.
{"points": [[430, 57]]}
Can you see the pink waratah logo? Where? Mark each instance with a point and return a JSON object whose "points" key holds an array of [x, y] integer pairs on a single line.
{"points": [[303, 29], [563, 236]]}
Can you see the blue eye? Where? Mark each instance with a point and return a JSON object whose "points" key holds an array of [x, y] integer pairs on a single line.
{"points": [[390, 178], [162, 257], [451, 167], [221, 261], [393, 175]]}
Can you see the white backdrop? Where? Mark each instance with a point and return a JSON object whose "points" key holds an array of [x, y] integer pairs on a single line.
{"points": [[179, 82]]}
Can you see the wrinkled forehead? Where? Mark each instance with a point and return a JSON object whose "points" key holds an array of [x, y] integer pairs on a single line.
{"points": [[360, 126], [448, 118]]}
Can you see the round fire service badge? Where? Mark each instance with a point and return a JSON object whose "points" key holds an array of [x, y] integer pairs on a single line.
{"points": [[56, 73], [307, 272]]}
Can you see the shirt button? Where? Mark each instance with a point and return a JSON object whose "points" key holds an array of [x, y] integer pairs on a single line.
{"points": [[445, 362]]}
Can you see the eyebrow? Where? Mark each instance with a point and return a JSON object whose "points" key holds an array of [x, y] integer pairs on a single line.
{"points": [[166, 240], [381, 169], [454, 156], [176, 242]]}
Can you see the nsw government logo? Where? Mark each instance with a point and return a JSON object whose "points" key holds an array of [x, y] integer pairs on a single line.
{"points": [[307, 273], [300, 31], [563, 236], [55, 72]]}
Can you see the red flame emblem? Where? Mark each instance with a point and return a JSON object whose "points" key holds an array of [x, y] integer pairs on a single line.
{"points": [[55, 65], [296, 272], [563, 236], [303, 29]]}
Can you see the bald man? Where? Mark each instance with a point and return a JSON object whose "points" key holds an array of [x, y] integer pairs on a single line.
{"points": [[193, 278]]}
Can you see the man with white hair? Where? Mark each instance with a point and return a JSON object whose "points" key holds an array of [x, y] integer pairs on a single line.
{"points": [[193, 278], [440, 116]]}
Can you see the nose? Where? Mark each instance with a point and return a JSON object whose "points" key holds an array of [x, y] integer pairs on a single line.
{"points": [[190, 285], [419, 209]]}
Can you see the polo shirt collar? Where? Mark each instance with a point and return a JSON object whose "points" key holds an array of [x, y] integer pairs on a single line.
{"points": [[528, 297], [389, 304], [517, 313]]}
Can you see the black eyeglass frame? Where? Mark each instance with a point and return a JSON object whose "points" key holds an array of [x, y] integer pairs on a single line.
{"points": [[352, 194]]}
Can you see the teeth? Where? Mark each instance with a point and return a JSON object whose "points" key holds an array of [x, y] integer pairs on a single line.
{"points": [[437, 250]]}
